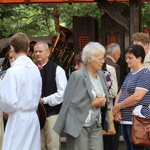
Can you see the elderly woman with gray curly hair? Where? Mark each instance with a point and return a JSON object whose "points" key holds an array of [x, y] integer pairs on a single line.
{"points": [[84, 113]]}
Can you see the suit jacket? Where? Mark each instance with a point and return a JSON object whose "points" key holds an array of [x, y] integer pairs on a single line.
{"points": [[77, 102], [110, 62]]}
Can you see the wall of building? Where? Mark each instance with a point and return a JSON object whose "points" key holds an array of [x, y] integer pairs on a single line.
{"points": [[4, 42]]}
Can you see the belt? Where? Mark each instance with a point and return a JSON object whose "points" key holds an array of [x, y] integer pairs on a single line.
{"points": [[21, 112]]}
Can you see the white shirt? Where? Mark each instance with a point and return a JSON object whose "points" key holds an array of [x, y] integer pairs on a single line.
{"points": [[20, 92], [114, 88], [147, 60], [16, 90], [61, 82]]}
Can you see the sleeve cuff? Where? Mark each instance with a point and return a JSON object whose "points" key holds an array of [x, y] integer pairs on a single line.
{"points": [[44, 100]]}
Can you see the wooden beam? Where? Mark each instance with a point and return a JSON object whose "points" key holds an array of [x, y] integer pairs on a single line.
{"points": [[113, 13], [57, 1], [43, 1]]}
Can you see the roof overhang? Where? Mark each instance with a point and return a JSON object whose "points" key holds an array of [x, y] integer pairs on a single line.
{"points": [[55, 1], [42, 1]]}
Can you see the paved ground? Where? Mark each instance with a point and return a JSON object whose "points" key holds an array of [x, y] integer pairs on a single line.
{"points": [[121, 144]]}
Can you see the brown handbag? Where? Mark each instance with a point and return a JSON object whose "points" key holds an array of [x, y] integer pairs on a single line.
{"points": [[112, 130], [140, 133]]}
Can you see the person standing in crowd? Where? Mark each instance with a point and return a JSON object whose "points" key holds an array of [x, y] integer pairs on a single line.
{"points": [[31, 49], [110, 74], [78, 61], [3, 115], [134, 93], [1, 129], [23, 81], [54, 82], [84, 112], [5, 50], [112, 55], [11, 59], [4, 53], [112, 86], [143, 40]]}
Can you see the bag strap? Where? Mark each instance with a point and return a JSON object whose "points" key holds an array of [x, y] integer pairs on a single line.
{"points": [[127, 93]]}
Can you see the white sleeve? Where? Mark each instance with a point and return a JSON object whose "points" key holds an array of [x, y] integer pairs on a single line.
{"points": [[61, 82]]}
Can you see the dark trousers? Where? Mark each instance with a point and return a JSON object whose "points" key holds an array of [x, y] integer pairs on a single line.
{"points": [[126, 132], [111, 142]]}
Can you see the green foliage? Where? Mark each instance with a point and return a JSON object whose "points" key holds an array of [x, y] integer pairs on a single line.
{"points": [[38, 19], [124, 9], [145, 15], [79, 9], [34, 20]]}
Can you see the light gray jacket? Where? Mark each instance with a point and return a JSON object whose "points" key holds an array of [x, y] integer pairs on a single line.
{"points": [[77, 102]]}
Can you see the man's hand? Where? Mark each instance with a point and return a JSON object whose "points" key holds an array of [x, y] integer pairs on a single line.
{"points": [[41, 100]]}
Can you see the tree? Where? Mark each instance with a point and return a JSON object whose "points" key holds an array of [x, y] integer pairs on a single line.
{"points": [[145, 15], [84, 9], [43, 19], [34, 20]]}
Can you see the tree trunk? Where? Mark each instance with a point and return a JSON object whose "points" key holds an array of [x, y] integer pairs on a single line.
{"points": [[56, 17]]}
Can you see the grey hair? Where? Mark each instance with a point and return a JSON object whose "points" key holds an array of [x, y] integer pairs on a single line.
{"points": [[112, 47], [44, 43], [90, 50]]}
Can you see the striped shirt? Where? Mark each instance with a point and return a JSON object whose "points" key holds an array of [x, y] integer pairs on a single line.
{"points": [[138, 80]]}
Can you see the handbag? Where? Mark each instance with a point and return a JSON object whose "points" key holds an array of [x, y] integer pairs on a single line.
{"points": [[112, 130], [41, 112], [140, 133]]}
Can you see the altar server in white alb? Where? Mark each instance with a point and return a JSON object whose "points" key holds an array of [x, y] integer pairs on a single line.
{"points": [[20, 92]]}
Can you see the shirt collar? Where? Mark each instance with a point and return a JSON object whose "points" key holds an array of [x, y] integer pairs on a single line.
{"points": [[112, 59]]}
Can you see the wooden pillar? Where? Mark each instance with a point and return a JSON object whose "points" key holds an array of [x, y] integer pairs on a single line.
{"points": [[135, 17]]}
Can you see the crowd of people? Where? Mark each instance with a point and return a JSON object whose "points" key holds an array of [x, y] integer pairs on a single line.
{"points": [[78, 106]]}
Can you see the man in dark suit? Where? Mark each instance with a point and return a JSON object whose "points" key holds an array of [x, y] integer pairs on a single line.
{"points": [[113, 53], [54, 82]]}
